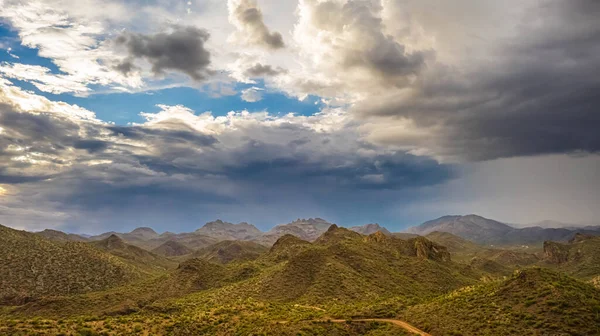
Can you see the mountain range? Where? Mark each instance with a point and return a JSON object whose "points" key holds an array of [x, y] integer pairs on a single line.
{"points": [[490, 232], [314, 275], [473, 228]]}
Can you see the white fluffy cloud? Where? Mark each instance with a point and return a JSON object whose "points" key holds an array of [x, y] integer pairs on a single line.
{"points": [[252, 94]]}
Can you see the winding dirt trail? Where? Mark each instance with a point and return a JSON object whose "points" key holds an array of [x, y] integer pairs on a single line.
{"points": [[399, 323]]}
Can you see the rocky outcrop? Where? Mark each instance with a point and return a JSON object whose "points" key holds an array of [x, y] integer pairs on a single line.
{"points": [[555, 253], [426, 249]]}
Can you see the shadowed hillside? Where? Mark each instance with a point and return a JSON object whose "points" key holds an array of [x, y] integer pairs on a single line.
{"points": [[230, 250], [172, 248], [134, 255]]}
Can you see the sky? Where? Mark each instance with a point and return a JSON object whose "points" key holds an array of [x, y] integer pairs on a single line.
{"points": [[170, 114]]}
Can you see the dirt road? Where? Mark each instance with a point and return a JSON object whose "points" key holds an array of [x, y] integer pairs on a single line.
{"points": [[399, 323]]}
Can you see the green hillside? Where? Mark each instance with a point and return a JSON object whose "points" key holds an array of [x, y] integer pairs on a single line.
{"points": [[135, 256], [534, 301], [32, 266], [172, 248], [344, 266], [321, 288], [580, 257], [230, 250], [60, 236]]}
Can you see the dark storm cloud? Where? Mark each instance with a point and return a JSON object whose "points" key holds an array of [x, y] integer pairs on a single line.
{"points": [[260, 70], [177, 133], [92, 146], [540, 96], [183, 50], [251, 23], [166, 169]]}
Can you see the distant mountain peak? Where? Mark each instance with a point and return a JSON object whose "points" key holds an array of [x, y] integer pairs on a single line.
{"points": [[113, 241], [368, 229], [144, 230], [229, 231]]}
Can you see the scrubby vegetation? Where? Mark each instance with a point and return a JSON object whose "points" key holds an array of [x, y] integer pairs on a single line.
{"points": [[534, 301], [32, 266], [294, 288]]}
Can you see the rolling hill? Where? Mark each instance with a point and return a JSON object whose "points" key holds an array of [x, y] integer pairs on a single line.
{"points": [[32, 266], [463, 250], [534, 301], [342, 265], [228, 251], [297, 286], [135, 256], [148, 239], [59, 236], [172, 248], [580, 257]]}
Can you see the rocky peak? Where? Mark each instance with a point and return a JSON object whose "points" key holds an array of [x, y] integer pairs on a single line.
{"points": [[426, 249], [377, 237], [144, 232], [555, 252], [368, 229]]}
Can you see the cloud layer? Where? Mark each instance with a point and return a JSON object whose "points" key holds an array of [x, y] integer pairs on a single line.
{"points": [[177, 155], [411, 99]]}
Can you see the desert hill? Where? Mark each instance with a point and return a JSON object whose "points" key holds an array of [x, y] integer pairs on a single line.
{"points": [[580, 257], [229, 251], [172, 248], [32, 266], [59, 236], [136, 256], [534, 301]]}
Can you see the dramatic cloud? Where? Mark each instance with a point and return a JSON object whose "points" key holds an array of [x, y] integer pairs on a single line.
{"points": [[251, 29], [87, 166], [183, 50], [499, 91], [539, 95]]}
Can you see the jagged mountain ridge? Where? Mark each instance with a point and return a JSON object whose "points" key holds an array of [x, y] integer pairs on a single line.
{"points": [[368, 229]]}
